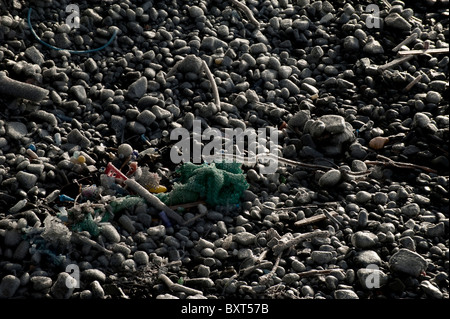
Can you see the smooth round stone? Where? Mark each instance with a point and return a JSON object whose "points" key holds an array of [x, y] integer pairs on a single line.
{"points": [[408, 262], [364, 239], [330, 178]]}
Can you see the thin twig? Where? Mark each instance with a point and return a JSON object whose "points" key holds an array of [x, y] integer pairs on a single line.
{"points": [[247, 12], [412, 83], [313, 219], [264, 279], [177, 287], [428, 51], [152, 199], [389, 162], [247, 271], [394, 63], [315, 272], [407, 41], [280, 247], [214, 88]]}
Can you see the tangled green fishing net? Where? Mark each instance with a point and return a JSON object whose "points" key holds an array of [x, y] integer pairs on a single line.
{"points": [[217, 183]]}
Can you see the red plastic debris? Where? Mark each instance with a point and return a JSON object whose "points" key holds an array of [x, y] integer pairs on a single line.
{"points": [[113, 171]]}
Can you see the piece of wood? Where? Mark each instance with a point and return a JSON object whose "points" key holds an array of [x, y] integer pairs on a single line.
{"points": [[407, 41], [177, 287], [412, 83], [394, 63], [279, 248], [429, 51], [313, 219]]}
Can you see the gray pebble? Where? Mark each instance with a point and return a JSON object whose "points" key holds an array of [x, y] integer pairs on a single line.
{"points": [[333, 123], [138, 88], [157, 231], [160, 113], [127, 223], [407, 261], [364, 239], [191, 63], [64, 286], [146, 117], [291, 86], [110, 233], [410, 210], [141, 258], [16, 130], [395, 20], [345, 294], [373, 47], [195, 11], [9, 286], [34, 55], [433, 97], [321, 257], [408, 243], [41, 282], [431, 290], [12, 238], [79, 92], [258, 48], [330, 178], [97, 290], [245, 238], [351, 43], [89, 275], [367, 257], [220, 253], [363, 197], [437, 230]]}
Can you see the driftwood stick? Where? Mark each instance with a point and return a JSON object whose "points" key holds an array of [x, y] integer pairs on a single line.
{"points": [[389, 162], [313, 219], [407, 41], [247, 271], [278, 248], [394, 62], [152, 199], [264, 279], [315, 272], [247, 12], [214, 88], [413, 82], [177, 287], [428, 51]]}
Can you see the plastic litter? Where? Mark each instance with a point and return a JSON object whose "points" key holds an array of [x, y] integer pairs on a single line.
{"points": [[165, 219], [65, 198], [217, 183], [113, 171]]}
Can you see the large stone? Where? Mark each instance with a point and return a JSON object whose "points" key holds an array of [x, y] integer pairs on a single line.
{"points": [[26, 180], [408, 262], [16, 130], [330, 178], [138, 88], [395, 20]]}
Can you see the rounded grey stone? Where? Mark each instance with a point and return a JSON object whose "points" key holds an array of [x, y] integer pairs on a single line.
{"points": [[345, 294], [367, 257], [410, 210], [245, 238], [321, 257], [41, 282], [110, 233], [9, 286], [89, 275], [364, 239], [408, 262], [330, 178]]}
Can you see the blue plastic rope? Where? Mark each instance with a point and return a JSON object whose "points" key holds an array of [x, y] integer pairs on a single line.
{"points": [[70, 51]]}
